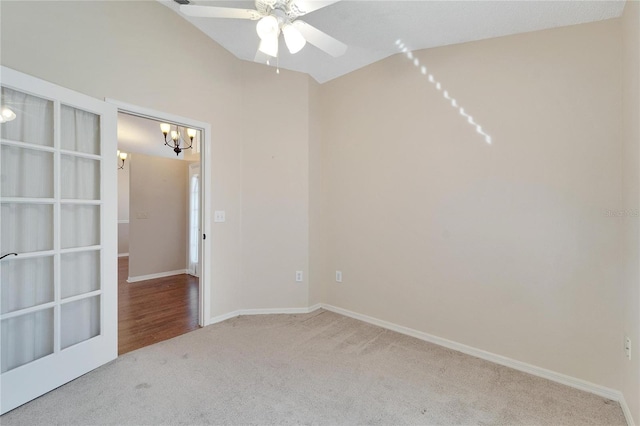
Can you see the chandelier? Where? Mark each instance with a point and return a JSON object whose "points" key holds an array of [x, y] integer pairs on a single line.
{"points": [[176, 142]]}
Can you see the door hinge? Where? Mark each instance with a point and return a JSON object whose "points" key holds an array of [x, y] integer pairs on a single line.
{"points": [[204, 236]]}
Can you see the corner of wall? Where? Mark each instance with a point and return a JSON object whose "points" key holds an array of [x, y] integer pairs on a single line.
{"points": [[316, 194], [630, 242]]}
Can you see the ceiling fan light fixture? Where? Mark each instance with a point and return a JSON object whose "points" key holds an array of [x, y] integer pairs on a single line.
{"points": [[293, 38], [269, 46], [268, 27]]}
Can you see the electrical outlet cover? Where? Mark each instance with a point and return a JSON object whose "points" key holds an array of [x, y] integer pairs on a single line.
{"points": [[627, 346]]}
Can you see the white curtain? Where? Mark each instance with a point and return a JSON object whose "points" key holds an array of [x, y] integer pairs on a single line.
{"points": [[34, 118], [28, 227], [79, 225]]}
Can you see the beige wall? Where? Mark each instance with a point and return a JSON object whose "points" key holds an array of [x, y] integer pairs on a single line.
{"points": [[503, 247], [123, 238], [630, 299], [123, 208], [159, 201], [274, 188]]}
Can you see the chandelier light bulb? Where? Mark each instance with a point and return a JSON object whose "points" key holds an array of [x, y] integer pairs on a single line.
{"points": [[175, 135], [268, 27], [191, 133], [293, 38], [122, 156], [165, 127]]}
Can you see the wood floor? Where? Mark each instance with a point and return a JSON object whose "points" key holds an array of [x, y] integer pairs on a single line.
{"points": [[154, 310]]}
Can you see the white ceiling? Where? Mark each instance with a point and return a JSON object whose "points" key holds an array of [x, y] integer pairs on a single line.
{"points": [[371, 27]]}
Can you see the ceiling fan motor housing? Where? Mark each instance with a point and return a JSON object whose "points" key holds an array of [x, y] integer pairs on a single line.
{"points": [[285, 10]]}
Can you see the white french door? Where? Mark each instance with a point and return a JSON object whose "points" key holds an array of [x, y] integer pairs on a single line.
{"points": [[58, 295]]}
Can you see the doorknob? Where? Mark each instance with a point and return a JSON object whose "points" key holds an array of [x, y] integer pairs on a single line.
{"points": [[8, 254]]}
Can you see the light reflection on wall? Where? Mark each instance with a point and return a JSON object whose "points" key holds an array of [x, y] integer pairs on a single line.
{"points": [[445, 94]]}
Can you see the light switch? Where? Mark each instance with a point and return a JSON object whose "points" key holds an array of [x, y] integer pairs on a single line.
{"points": [[218, 216], [142, 215]]}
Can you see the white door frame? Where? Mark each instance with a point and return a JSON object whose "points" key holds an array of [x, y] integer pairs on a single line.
{"points": [[204, 293]]}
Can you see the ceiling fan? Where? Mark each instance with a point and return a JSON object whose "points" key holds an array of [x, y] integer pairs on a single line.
{"points": [[275, 17]]}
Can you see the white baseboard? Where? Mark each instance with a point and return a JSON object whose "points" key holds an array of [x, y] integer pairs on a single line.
{"points": [[564, 379], [158, 275], [123, 254], [222, 317], [315, 307], [276, 311], [573, 382], [268, 311], [626, 410]]}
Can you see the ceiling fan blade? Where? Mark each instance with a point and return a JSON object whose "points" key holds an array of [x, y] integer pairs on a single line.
{"points": [[321, 40], [219, 12], [307, 6]]}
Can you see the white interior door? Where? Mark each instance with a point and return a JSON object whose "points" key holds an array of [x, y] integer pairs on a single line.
{"points": [[195, 231], [58, 296]]}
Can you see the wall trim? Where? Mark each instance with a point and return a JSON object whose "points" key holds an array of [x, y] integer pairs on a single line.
{"points": [[123, 221], [564, 379], [222, 317], [276, 311], [158, 275], [266, 311], [626, 410], [123, 254]]}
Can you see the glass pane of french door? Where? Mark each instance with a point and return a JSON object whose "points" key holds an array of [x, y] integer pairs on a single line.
{"points": [[27, 210], [52, 208]]}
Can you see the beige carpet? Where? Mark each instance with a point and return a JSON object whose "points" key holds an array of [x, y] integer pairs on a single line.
{"points": [[318, 368]]}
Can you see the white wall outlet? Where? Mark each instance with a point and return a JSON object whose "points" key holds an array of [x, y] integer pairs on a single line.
{"points": [[299, 276], [627, 346], [219, 216], [338, 276]]}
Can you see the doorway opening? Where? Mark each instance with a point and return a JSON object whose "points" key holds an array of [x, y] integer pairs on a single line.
{"points": [[163, 280]]}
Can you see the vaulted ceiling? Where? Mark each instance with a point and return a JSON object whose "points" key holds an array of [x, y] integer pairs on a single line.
{"points": [[371, 28]]}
